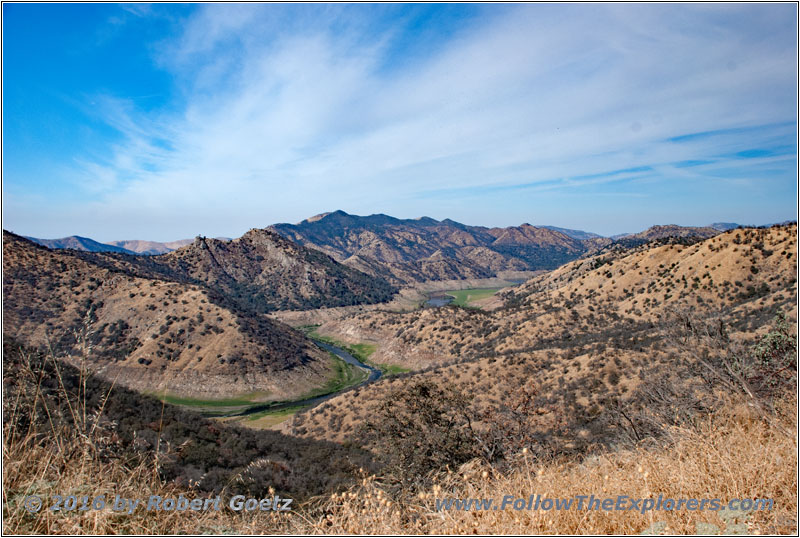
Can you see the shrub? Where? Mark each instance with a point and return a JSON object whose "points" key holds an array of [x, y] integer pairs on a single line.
{"points": [[422, 428]]}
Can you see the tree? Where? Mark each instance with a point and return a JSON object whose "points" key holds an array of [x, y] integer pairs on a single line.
{"points": [[422, 428]]}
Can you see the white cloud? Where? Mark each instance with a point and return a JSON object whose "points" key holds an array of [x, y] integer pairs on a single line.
{"points": [[284, 117]]}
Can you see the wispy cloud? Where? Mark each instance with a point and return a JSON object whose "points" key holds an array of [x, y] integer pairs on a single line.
{"points": [[285, 111]]}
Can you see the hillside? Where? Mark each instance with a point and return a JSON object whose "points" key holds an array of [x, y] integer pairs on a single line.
{"points": [[594, 329], [417, 250], [130, 444], [664, 232], [262, 271], [605, 371], [149, 331]]}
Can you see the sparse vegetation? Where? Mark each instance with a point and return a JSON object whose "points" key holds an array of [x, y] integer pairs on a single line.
{"points": [[597, 376]]}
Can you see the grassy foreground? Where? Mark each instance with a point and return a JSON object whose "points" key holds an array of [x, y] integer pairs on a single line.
{"points": [[732, 453]]}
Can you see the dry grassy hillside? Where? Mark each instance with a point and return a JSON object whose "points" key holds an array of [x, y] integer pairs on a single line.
{"points": [[745, 274], [591, 333], [149, 333], [107, 445], [608, 376]]}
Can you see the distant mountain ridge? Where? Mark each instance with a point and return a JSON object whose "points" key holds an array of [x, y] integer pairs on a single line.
{"points": [[411, 250], [404, 251], [151, 247], [133, 246], [724, 226], [575, 234], [76, 242]]}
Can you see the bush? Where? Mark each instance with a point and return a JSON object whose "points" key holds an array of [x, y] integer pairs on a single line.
{"points": [[423, 428]]}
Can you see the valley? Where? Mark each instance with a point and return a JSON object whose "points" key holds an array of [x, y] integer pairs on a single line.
{"points": [[611, 346], [414, 269], [244, 292]]}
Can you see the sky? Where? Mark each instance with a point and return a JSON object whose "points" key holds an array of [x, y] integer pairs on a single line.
{"points": [[165, 121]]}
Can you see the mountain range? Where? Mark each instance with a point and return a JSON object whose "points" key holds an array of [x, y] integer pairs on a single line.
{"points": [[199, 316], [404, 251], [145, 247], [133, 246], [76, 242], [193, 321]]}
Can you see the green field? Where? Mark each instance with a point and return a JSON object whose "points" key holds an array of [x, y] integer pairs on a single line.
{"points": [[239, 401], [466, 297], [266, 419]]}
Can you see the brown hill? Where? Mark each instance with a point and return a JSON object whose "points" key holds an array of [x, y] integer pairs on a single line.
{"points": [[416, 250], [262, 271], [594, 329], [673, 230], [150, 332]]}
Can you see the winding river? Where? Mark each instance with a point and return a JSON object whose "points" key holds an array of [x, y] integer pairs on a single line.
{"points": [[374, 374]]}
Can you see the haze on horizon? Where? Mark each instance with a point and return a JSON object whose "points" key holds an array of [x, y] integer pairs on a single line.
{"points": [[162, 122]]}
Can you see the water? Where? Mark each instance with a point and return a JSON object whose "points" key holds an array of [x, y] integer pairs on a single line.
{"points": [[374, 374], [439, 300]]}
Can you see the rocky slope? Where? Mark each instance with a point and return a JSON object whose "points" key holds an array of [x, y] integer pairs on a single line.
{"points": [[409, 251], [263, 271]]}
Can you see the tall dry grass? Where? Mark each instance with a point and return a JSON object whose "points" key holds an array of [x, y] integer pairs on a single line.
{"points": [[732, 454], [54, 443], [69, 449]]}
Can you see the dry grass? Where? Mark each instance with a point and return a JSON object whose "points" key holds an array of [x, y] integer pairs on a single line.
{"points": [[731, 454], [591, 295], [71, 449]]}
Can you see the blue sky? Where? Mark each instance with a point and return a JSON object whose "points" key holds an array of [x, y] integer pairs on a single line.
{"points": [[166, 121]]}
